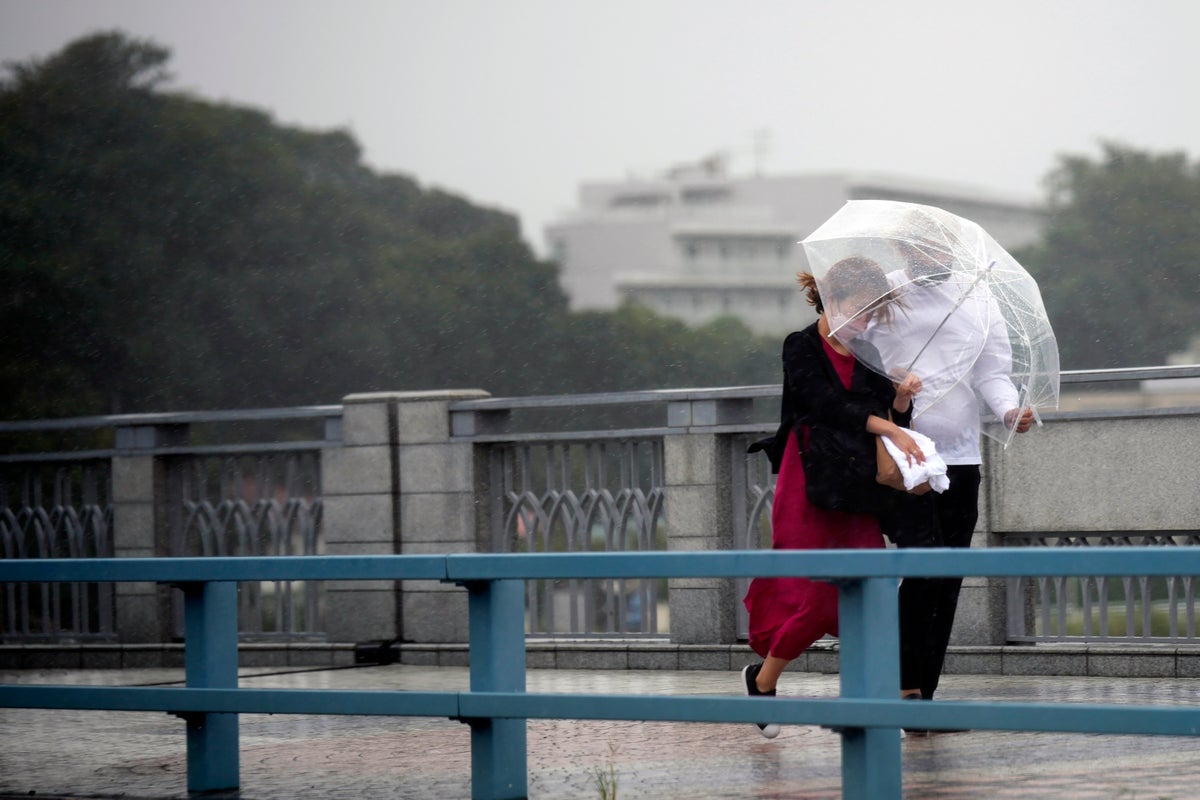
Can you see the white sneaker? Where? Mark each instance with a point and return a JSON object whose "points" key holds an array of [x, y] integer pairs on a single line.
{"points": [[768, 729]]}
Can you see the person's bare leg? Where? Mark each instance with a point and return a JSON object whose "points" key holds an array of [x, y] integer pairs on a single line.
{"points": [[772, 668]]}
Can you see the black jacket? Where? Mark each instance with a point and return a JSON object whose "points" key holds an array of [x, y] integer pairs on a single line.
{"points": [[812, 392]]}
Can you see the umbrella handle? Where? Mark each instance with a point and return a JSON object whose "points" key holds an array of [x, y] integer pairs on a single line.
{"points": [[1022, 404], [1037, 418], [1026, 404]]}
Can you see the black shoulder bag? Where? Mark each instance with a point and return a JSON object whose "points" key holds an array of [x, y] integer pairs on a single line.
{"points": [[841, 469]]}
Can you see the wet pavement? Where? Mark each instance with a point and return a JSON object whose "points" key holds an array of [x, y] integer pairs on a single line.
{"points": [[141, 756]]}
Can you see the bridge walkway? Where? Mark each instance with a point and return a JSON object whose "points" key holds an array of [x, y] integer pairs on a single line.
{"points": [[141, 756]]}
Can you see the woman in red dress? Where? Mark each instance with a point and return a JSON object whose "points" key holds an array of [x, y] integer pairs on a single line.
{"points": [[822, 382]]}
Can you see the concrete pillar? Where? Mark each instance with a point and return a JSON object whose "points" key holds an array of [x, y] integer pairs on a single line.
{"points": [[439, 509], [137, 612], [396, 484], [359, 487], [697, 485], [139, 503]]}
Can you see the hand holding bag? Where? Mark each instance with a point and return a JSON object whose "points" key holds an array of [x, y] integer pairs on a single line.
{"points": [[843, 474], [887, 472]]}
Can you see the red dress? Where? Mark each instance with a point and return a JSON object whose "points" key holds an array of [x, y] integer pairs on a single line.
{"points": [[789, 614]]}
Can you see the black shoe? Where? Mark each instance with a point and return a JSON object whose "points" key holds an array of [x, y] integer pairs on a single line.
{"points": [[749, 675], [929, 731], [915, 731]]}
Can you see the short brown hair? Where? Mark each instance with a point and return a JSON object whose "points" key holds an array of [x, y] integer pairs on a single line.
{"points": [[850, 277]]}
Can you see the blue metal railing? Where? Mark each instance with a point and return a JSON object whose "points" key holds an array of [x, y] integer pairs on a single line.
{"points": [[868, 713]]}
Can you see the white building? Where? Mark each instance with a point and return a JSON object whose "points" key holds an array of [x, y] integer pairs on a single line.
{"points": [[697, 244]]}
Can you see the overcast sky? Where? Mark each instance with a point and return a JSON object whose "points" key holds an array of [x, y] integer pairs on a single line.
{"points": [[513, 103]]}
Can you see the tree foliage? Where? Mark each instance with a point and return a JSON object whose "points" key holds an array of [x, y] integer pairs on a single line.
{"points": [[1120, 261], [163, 252]]}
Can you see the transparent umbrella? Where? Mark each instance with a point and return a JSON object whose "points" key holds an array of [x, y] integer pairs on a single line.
{"points": [[954, 308]]}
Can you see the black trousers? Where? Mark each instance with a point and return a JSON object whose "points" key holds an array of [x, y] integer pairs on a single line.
{"points": [[927, 605]]}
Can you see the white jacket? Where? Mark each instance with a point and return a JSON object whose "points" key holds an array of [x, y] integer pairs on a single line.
{"points": [[965, 369]]}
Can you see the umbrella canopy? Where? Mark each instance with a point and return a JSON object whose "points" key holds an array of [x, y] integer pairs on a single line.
{"points": [[954, 308]]}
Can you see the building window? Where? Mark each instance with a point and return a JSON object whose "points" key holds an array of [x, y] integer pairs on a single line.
{"points": [[639, 200], [704, 196]]}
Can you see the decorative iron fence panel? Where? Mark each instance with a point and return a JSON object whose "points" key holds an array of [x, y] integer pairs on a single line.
{"points": [[753, 497], [56, 510], [575, 496], [1100, 609], [252, 505]]}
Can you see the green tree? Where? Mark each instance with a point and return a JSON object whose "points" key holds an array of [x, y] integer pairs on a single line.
{"points": [[167, 252], [1120, 261], [162, 252]]}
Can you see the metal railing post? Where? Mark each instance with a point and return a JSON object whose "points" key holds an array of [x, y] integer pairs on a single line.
{"points": [[869, 662], [497, 653], [211, 661]]}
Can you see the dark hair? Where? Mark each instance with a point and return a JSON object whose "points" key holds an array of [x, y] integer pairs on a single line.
{"points": [[849, 277], [927, 264]]}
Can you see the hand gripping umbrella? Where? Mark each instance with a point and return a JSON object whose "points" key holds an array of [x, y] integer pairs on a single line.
{"points": [[958, 311]]}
